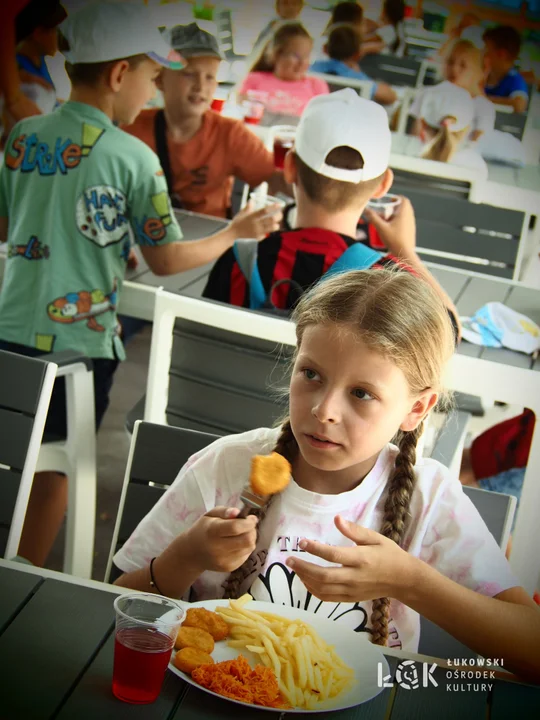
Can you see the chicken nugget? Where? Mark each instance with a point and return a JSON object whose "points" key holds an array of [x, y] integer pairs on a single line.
{"points": [[189, 658], [270, 474], [196, 638], [207, 620]]}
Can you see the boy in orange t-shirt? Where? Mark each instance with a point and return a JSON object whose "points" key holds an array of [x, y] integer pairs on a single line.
{"points": [[206, 151]]}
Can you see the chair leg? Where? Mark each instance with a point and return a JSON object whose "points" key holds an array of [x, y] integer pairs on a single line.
{"points": [[81, 445]]}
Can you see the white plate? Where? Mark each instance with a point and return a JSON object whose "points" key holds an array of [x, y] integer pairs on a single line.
{"points": [[354, 648]]}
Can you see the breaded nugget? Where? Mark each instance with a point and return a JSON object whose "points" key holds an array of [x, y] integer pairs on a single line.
{"points": [[189, 658], [207, 620], [194, 637], [270, 474]]}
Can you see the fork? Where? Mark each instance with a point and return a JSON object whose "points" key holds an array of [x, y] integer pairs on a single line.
{"points": [[251, 501]]}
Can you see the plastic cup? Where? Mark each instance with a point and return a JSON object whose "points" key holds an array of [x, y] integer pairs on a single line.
{"points": [[217, 104], [386, 205], [261, 201], [146, 628], [283, 141], [253, 111]]}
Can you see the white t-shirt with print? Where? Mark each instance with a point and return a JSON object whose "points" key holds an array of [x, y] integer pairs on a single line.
{"points": [[445, 531]]}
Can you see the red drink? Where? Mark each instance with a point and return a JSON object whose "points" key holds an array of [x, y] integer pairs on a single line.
{"points": [[281, 148], [141, 656], [217, 104]]}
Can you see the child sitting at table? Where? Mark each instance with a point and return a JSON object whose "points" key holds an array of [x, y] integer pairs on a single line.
{"points": [[201, 151], [280, 72], [364, 534], [388, 37], [75, 191], [504, 85], [343, 51], [445, 119], [344, 13], [464, 67], [339, 162], [286, 11]]}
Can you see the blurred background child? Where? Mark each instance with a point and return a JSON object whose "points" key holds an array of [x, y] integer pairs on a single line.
{"points": [[286, 11], [464, 68], [388, 37], [280, 72], [343, 50], [504, 84]]}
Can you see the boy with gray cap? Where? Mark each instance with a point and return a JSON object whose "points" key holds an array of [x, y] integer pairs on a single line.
{"points": [[75, 192], [200, 150]]}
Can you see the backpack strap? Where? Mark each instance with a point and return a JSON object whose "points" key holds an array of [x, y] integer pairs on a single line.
{"points": [[356, 257], [162, 150], [245, 254]]}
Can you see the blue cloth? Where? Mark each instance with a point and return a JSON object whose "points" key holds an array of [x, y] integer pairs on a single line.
{"points": [[509, 482], [336, 67], [511, 85], [42, 71]]}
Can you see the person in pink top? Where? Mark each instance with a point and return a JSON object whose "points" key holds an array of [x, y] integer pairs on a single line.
{"points": [[278, 78]]}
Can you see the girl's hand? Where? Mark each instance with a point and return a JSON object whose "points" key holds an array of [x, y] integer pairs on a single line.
{"points": [[220, 542], [375, 568]]}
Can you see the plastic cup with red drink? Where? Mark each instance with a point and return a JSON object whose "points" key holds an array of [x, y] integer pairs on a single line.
{"points": [[146, 629], [385, 206], [283, 142]]}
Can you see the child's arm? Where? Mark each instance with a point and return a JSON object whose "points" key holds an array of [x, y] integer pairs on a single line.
{"points": [[518, 102], [384, 94], [218, 541], [506, 626], [177, 257]]}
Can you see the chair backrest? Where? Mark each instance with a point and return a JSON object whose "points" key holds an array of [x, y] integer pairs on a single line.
{"points": [[471, 236], [335, 82], [156, 455], [25, 392], [224, 32], [497, 511], [219, 371], [394, 71], [513, 123]]}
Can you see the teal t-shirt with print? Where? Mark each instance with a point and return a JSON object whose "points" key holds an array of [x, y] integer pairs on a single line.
{"points": [[77, 192]]}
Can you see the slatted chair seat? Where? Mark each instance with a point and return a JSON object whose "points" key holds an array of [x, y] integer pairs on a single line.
{"points": [[406, 72]]}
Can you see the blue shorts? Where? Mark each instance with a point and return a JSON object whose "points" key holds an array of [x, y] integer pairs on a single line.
{"points": [[56, 426], [509, 482]]}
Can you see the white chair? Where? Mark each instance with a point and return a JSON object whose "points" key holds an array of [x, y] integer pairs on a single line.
{"points": [[25, 392], [76, 457]]}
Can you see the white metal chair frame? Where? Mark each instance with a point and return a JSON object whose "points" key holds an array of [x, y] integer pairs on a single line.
{"points": [[76, 457], [364, 87], [29, 469]]}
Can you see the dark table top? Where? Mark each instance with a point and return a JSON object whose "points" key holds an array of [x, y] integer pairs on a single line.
{"points": [[56, 655]]}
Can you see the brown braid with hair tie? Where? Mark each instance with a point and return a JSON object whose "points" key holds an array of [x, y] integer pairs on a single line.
{"points": [[396, 509], [286, 445]]}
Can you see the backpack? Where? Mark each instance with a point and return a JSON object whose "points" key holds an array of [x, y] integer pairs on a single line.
{"points": [[357, 257]]}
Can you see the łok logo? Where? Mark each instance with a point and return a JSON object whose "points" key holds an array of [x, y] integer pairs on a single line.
{"points": [[407, 676]]}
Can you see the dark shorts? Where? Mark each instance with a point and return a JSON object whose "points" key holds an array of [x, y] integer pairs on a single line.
{"points": [[55, 426]]}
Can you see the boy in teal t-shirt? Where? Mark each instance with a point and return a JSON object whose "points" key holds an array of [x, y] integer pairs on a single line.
{"points": [[75, 192]]}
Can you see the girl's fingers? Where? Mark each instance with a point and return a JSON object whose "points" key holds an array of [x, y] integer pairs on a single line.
{"points": [[235, 527], [316, 575], [340, 555]]}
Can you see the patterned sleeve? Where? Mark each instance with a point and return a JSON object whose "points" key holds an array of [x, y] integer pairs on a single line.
{"points": [[175, 512], [152, 215], [459, 545]]}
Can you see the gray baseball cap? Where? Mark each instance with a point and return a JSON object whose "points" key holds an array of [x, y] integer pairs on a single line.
{"points": [[194, 42]]}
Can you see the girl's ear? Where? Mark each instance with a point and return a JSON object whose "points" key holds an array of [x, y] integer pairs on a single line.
{"points": [[421, 407], [117, 74]]}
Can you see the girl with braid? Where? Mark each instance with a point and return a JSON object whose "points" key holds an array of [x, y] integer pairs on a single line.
{"points": [[366, 533]]}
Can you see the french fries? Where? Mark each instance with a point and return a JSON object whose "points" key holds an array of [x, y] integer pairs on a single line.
{"points": [[309, 672]]}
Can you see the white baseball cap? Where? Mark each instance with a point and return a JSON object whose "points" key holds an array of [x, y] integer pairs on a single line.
{"points": [[340, 119], [447, 100], [104, 31]]}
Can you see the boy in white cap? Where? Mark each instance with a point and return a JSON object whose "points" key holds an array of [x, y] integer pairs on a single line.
{"points": [[75, 192], [339, 162], [200, 150], [445, 118]]}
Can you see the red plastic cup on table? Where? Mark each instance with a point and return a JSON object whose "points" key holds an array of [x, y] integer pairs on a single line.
{"points": [[283, 142], [146, 629], [217, 104]]}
